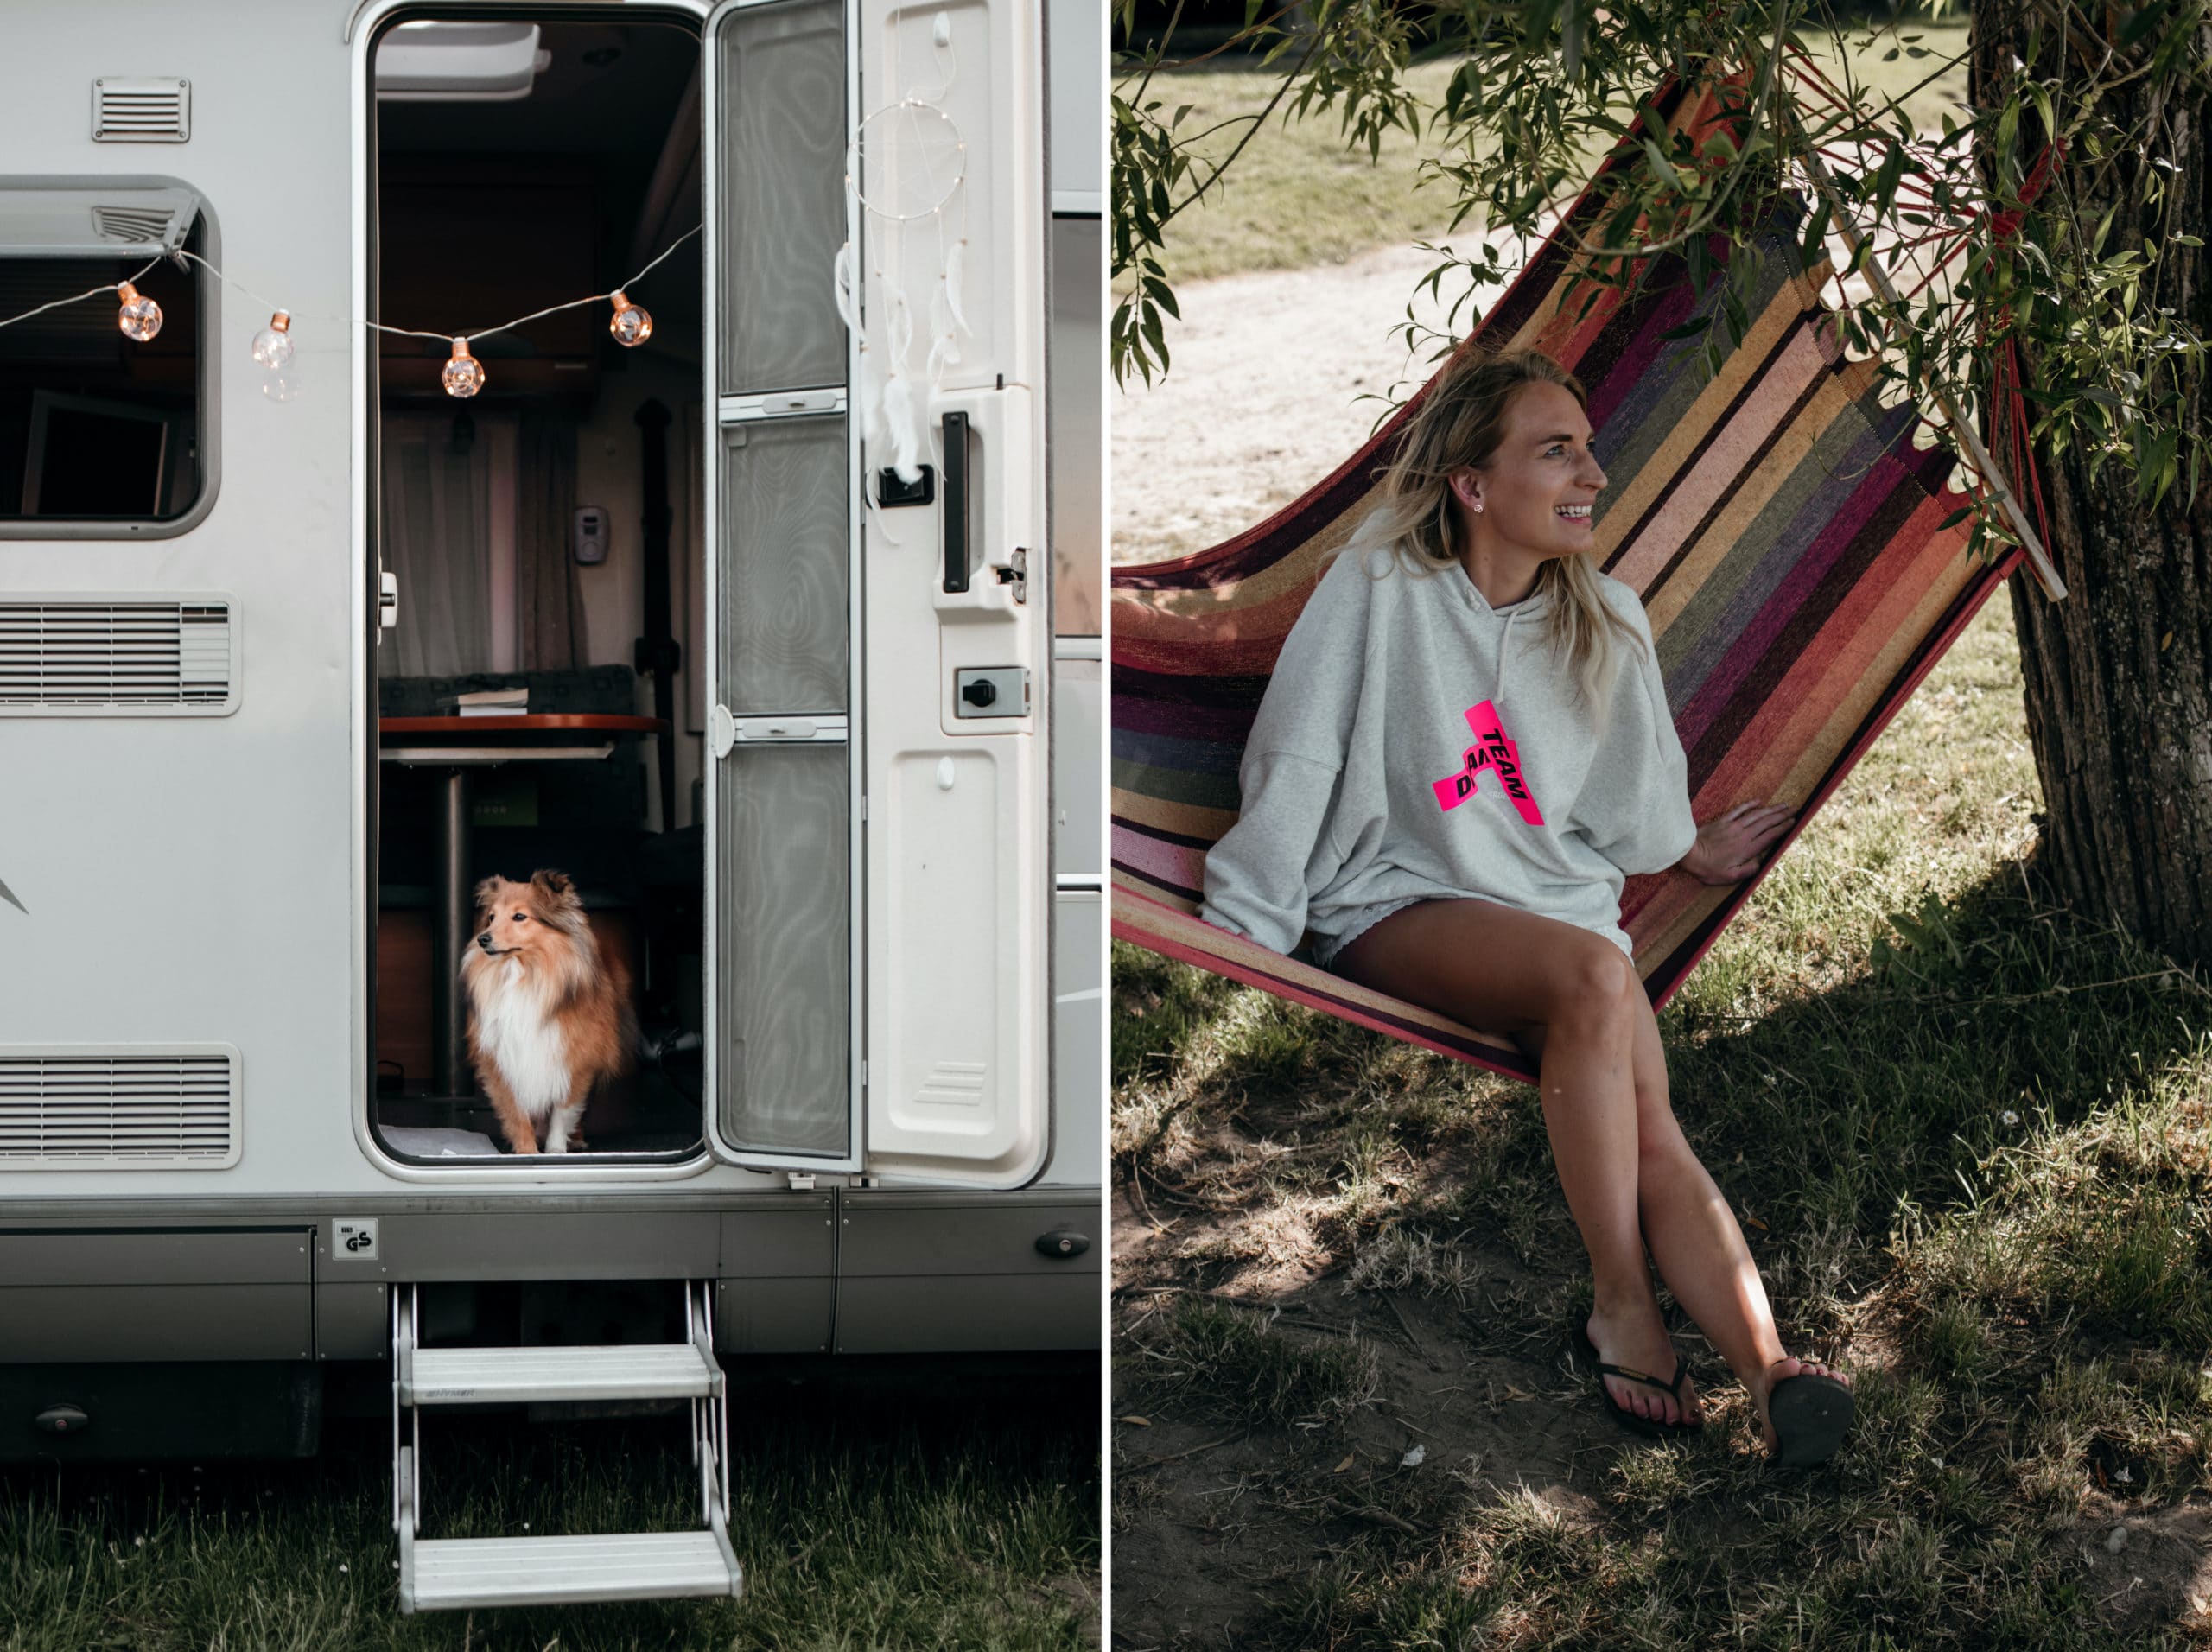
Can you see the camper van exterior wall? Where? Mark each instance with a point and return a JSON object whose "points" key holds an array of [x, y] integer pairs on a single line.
{"points": [[199, 887]]}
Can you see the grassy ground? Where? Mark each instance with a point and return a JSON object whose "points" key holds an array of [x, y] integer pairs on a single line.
{"points": [[1980, 1173], [1296, 197], [963, 1516]]}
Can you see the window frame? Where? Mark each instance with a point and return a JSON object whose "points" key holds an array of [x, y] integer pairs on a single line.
{"points": [[209, 340]]}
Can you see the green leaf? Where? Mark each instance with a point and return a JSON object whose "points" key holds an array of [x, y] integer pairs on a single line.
{"points": [[2154, 461], [2142, 24]]}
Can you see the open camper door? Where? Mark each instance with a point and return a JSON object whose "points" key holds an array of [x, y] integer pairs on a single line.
{"points": [[878, 832]]}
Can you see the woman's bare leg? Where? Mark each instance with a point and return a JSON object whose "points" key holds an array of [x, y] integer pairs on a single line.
{"points": [[1513, 972], [1695, 1241]]}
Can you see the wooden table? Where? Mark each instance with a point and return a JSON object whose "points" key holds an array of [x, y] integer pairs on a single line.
{"points": [[456, 744]]}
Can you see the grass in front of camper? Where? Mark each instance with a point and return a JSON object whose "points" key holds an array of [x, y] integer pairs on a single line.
{"points": [[864, 1519], [1297, 196], [1970, 1141]]}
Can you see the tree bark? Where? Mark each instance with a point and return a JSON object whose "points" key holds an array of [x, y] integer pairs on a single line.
{"points": [[2118, 676]]}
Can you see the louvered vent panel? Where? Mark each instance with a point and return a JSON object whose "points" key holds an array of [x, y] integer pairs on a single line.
{"points": [[141, 1108], [142, 111], [134, 224], [122, 656]]}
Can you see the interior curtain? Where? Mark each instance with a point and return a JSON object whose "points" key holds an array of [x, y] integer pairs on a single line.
{"points": [[548, 599], [437, 497]]}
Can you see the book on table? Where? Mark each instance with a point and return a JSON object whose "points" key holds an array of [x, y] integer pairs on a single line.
{"points": [[487, 702]]}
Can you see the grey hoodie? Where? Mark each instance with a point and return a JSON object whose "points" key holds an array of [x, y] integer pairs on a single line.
{"points": [[1417, 743]]}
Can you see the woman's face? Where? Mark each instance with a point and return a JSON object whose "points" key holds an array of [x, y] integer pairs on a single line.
{"points": [[1537, 491]]}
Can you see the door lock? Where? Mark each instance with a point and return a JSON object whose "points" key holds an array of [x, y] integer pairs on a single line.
{"points": [[991, 691]]}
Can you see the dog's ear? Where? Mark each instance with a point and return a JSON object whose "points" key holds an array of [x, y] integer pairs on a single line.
{"points": [[487, 893], [556, 900]]}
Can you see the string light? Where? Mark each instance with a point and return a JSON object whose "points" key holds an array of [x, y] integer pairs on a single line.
{"points": [[274, 351], [139, 318], [630, 324], [272, 346], [464, 374]]}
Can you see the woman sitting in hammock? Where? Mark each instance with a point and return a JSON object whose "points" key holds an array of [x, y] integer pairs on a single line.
{"points": [[1449, 797]]}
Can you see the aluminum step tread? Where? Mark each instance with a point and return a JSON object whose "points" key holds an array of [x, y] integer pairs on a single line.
{"points": [[452, 1377], [467, 1571]]}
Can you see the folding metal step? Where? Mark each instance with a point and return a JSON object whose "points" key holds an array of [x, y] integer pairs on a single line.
{"points": [[463, 1376], [443, 1573], [559, 1571]]}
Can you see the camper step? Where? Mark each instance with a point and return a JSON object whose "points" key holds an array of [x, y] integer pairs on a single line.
{"points": [[476, 1376], [467, 1571]]}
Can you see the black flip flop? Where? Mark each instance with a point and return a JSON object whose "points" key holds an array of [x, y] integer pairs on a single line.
{"points": [[1810, 1412], [1650, 1427]]}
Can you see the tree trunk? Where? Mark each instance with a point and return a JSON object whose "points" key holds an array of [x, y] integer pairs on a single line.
{"points": [[2118, 676]]}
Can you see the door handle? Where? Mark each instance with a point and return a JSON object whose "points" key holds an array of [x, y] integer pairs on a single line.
{"points": [[955, 427], [387, 600]]}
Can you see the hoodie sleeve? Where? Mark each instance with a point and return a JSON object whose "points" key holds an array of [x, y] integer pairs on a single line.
{"points": [[1639, 817], [1262, 873], [1280, 851]]}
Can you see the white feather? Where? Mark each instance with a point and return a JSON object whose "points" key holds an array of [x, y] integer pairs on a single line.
{"points": [[841, 275], [951, 284], [943, 353], [904, 437]]}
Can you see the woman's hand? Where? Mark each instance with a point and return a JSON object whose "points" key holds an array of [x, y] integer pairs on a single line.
{"points": [[1728, 850]]}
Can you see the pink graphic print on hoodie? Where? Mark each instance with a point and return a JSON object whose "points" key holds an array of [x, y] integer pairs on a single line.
{"points": [[1494, 751]]}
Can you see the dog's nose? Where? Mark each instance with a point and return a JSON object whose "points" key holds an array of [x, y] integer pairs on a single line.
{"points": [[484, 940]]}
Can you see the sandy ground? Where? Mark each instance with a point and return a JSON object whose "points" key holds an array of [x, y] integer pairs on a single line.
{"points": [[1262, 396]]}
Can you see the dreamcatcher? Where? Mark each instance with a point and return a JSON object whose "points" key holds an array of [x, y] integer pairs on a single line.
{"points": [[906, 168]]}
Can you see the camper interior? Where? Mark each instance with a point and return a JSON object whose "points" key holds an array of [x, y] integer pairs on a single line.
{"points": [[538, 697]]}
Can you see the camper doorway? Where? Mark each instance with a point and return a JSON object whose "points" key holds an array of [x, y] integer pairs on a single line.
{"points": [[538, 714]]}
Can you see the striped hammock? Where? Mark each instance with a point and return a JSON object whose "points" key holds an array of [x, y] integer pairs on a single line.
{"points": [[1784, 530]]}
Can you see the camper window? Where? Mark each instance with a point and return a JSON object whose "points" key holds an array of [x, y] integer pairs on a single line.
{"points": [[102, 435]]}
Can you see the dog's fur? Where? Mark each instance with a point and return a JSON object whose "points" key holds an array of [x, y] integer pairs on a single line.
{"points": [[549, 1016]]}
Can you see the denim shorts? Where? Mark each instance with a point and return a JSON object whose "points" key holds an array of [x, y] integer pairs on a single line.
{"points": [[1359, 921]]}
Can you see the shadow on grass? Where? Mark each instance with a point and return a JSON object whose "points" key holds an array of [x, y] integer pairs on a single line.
{"points": [[1985, 1171], [961, 1509]]}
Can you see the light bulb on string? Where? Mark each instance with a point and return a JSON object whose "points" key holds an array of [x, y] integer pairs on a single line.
{"points": [[463, 375], [631, 324], [140, 317], [272, 346]]}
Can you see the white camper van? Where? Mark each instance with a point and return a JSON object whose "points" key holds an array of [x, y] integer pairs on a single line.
{"points": [[754, 585]]}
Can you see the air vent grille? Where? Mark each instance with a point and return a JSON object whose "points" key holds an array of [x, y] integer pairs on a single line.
{"points": [[124, 656], [137, 225], [142, 111], [139, 1108]]}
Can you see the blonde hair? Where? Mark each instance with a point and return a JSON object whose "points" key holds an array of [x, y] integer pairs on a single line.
{"points": [[1459, 423]]}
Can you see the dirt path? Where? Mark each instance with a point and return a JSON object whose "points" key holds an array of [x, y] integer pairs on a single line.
{"points": [[1262, 398]]}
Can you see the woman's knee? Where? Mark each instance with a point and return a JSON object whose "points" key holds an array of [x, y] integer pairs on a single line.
{"points": [[1590, 983]]}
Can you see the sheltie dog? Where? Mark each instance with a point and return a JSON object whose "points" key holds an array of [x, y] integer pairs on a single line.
{"points": [[548, 1016]]}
